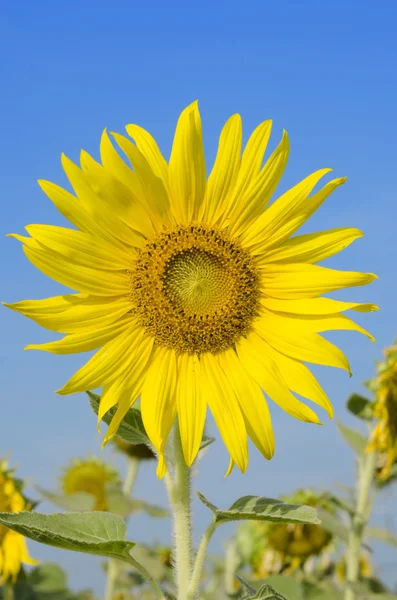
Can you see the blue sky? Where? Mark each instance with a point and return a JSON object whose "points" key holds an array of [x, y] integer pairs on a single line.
{"points": [[324, 71]]}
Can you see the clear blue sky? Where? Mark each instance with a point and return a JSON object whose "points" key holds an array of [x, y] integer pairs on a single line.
{"points": [[325, 71]]}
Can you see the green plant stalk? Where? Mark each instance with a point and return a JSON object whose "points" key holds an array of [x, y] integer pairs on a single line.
{"points": [[358, 522], [194, 586], [179, 489], [8, 591], [113, 564]]}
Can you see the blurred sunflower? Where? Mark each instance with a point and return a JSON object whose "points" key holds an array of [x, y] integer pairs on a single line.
{"points": [[193, 290], [384, 436], [92, 476], [13, 550], [271, 548], [365, 568]]}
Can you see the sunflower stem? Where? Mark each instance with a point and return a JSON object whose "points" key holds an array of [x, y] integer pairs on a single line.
{"points": [[179, 495], [358, 522], [8, 591], [113, 564], [194, 586]]}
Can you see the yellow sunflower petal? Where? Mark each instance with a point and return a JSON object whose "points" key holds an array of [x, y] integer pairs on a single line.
{"points": [[296, 341], [114, 230], [81, 248], [330, 323], [191, 406], [83, 279], [83, 341], [250, 165], [252, 403], [158, 399], [107, 363], [225, 170], [300, 380], [117, 196], [253, 201], [313, 247], [116, 166], [72, 208], [187, 176], [253, 353], [225, 410], [315, 306], [152, 188], [294, 281], [73, 312], [148, 147], [131, 381]]}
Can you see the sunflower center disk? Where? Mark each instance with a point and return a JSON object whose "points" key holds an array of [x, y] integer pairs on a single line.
{"points": [[195, 289]]}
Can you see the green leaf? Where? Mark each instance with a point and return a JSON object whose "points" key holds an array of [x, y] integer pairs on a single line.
{"points": [[331, 523], [131, 428], [98, 533], [290, 587], [361, 407], [339, 503], [267, 592], [77, 502], [256, 508], [48, 577], [124, 505], [382, 535], [355, 440]]}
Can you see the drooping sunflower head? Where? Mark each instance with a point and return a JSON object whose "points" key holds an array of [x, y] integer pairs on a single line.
{"points": [[13, 550], [90, 475], [384, 436], [192, 289], [272, 547]]}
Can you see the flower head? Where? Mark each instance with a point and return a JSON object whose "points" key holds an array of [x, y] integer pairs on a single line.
{"points": [[273, 547], [13, 550], [384, 436], [193, 290], [90, 475]]}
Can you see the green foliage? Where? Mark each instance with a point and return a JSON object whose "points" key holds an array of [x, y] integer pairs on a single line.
{"points": [[45, 582], [381, 535], [124, 505], [77, 502], [98, 533], [355, 440], [131, 428], [360, 407], [256, 508]]}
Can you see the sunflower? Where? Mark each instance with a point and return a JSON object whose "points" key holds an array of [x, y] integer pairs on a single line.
{"points": [[193, 291], [270, 548], [90, 475], [384, 436], [13, 550]]}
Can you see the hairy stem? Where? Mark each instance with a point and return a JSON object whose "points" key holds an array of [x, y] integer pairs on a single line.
{"points": [[178, 489], [194, 587], [113, 564], [359, 522]]}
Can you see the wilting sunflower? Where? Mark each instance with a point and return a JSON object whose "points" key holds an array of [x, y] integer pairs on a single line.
{"points": [[384, 436], [193, 290], [13, 550], [90, 475], [271, 548]]}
